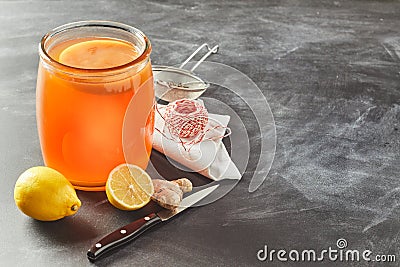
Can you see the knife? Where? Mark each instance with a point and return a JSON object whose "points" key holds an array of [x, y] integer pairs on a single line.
{"points": [[131, 231]]}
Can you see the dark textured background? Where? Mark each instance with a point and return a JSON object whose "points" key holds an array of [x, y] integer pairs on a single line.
{"points": [[330, 71]]}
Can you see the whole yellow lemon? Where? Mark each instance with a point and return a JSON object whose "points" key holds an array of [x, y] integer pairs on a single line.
{"points": [[45, 194]]}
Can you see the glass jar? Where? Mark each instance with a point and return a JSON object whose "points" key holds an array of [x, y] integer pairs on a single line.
{"points": [[81, 110]]}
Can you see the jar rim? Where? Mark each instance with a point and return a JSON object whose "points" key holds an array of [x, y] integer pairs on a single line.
{"points": [[93, 23]]}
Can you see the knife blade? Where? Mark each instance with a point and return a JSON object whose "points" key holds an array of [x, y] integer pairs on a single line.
{"points": [[133, 230]]}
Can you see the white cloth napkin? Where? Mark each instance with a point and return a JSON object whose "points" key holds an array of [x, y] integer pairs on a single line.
{"points": [[208, 157]]}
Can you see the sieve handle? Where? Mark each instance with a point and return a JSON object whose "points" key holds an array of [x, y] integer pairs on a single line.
{"points": [[210, 51]]}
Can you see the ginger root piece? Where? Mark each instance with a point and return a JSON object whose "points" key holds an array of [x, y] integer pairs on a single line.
{"points": [[184, 184], [168, 194]]}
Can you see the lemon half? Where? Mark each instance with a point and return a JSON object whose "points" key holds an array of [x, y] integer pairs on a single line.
{"points": [[129, 187]]}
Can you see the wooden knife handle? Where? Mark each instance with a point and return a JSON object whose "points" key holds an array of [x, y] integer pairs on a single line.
{"points": [[122, 236]]}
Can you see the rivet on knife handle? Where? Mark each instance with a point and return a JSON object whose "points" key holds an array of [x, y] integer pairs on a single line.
{"points": [[122, 236]]}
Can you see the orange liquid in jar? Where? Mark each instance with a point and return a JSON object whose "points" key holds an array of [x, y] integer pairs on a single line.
{"points": [[81, 123]]}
